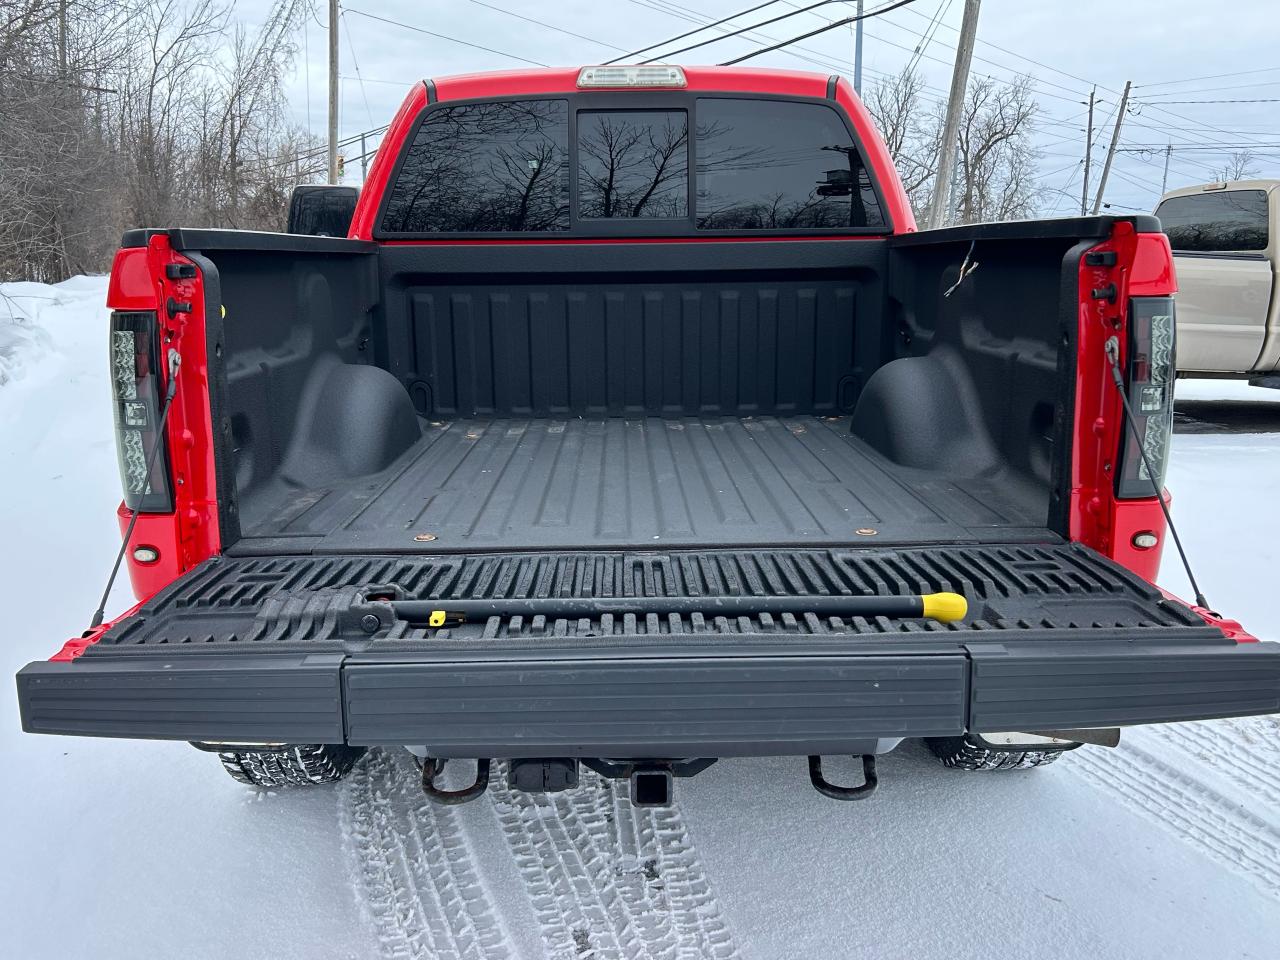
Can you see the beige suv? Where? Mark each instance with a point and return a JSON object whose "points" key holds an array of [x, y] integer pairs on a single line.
{"points": [[1225, 246]]}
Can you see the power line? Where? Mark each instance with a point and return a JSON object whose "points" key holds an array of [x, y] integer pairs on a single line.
{"points": [[811, 55], [928, 94], [1012, 53], [1150, 161], [764, 23], [1000, 66], [918, 53], [1212, 76], [441, 36], [1233, 86], [1264, 100], [1141, 147], [271, 164], [1186, 119], [930, 31], [1186, 127], [394, 83], [813, 33], [549, 26], [356, 63], [690, 33]]}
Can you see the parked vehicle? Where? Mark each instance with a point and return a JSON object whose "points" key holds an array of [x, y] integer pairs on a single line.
{"points": [[1224, 239], [635, 425]]}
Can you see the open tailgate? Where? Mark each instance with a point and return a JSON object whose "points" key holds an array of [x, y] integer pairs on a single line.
{"points": [[310, 650]]}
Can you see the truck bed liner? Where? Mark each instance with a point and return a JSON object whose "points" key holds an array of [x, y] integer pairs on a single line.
{"points": [[608, 483]]}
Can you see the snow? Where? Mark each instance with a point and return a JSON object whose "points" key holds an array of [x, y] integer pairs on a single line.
{"points": [[1168, 846], [1225, 390]]}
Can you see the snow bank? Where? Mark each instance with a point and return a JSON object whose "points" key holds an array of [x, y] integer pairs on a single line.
{"points": [[33, 317]]}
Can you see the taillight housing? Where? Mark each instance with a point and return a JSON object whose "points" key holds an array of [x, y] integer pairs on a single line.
{"points": [[138, 391], [1149, 383]]}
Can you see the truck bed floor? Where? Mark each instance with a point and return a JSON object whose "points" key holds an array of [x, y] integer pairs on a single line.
{"points": [[582, 483]]}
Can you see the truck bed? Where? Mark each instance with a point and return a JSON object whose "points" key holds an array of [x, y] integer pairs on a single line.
{"points": [[512, 484]]}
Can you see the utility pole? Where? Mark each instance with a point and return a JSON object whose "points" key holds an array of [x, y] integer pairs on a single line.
{"points": [[1115, 142], [333, 91], [1164, 184], [955, 195], [1088, 155], [955, 103], [857, 52], [62, 37]]}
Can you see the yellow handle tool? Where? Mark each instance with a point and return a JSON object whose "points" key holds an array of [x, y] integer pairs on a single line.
{"points": [[943, 607]]}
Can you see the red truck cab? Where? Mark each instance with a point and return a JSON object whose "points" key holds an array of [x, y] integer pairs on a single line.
{"points": [[635, 424]]}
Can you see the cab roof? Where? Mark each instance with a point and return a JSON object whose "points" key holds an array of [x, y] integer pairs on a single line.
{"points": [[801, 83], [1220, 185]]}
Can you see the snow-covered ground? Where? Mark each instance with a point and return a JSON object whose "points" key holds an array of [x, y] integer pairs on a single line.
{"points": [[1167, 847]]}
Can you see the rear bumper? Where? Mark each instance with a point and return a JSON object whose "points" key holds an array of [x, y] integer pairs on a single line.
{"points": [[756, 696]]}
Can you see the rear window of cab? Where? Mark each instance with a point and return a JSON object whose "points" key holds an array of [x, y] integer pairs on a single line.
{"points": [[1224, 221], [703, 165]]}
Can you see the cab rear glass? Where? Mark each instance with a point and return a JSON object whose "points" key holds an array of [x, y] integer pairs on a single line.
{"points": [[768, 165], [633, 163], [586, 166], [1225, 221], [485, 167]]}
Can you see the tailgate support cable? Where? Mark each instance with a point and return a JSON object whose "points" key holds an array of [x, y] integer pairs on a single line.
{"points": [[174, 362], [1112, 348]]}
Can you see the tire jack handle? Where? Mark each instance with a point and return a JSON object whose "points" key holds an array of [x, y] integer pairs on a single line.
{"points": [[432, 767], [868, 786]]}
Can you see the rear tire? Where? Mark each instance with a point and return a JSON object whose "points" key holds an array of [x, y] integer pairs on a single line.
{"points": [[303, 765], [964, 753]]}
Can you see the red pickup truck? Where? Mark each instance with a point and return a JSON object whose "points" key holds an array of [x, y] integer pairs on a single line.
{"points": [[635, 425]]}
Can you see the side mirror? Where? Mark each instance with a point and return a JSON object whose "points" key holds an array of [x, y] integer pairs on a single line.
{"points": [[322, 211]]}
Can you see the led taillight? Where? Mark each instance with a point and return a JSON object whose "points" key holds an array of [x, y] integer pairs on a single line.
{"points": [[138, 391], [1149, 382]]}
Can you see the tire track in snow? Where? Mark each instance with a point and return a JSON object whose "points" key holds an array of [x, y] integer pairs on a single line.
{"points": [[1245, 751], [1178, 799], [608, 879], [414, 867]]}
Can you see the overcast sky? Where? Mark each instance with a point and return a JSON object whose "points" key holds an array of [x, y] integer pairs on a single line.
{"points": [[1066, 45]]}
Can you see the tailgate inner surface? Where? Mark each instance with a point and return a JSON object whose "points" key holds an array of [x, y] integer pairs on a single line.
{"points": [[1054, 591]]}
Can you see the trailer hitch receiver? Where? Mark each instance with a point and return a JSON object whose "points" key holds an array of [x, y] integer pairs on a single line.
{"points": [[860, 792], [432, 768]]}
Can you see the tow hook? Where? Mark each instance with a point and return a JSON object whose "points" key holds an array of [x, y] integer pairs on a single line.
{"points": [[860, 792], [432, 767]]}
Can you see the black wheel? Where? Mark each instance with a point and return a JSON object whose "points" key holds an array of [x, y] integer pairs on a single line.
{"points": [[293, 766], [965, 753]]}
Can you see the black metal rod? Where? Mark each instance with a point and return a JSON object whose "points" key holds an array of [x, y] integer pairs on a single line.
{"points": [[420, 611]]}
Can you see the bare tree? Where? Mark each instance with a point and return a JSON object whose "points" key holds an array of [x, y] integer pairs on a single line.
{"points": [[909, 132], [55, 164], [150, 113], [997, 158], [996, 162], [1241, 165]]}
